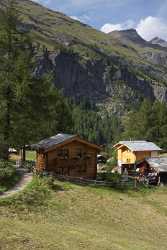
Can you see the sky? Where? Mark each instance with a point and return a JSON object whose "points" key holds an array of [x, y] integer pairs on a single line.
{"points": [[148, 17]]}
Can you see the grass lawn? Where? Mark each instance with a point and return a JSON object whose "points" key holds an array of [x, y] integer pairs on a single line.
{"points": [[73, 217]]}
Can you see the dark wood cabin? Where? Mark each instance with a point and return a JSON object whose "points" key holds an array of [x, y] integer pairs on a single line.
{"points": [[67, 155], [155, 165]]}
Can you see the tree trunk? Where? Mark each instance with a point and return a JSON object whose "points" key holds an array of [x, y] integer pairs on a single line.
{"points": [[7, 128], [4, 152], [23, 154]]}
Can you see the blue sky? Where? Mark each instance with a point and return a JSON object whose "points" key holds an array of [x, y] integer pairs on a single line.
{"points": [[147, 16]]}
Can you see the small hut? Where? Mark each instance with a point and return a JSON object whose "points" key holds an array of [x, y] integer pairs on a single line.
{"points": [[68, 155], [155, 165]]}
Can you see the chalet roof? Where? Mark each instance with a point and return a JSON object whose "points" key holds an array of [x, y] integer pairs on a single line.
{"points": [[138, 145], [52, 141], [58, 139], [158, 163]]}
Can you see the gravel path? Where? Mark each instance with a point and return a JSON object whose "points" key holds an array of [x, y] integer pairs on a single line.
{"points": [[25, 180]]}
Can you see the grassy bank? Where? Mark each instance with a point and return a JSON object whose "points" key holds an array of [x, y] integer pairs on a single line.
{"points": [[67, 216]]}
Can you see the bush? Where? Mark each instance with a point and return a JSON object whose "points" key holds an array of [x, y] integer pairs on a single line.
{"points": [[7, 171], [8, 175], [110, 177], [34, 196], [29, 165], [3, 151], [111, 162]]}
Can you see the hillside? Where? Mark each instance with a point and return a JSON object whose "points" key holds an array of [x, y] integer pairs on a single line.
{"points": [[104, 68], [77, 217]]}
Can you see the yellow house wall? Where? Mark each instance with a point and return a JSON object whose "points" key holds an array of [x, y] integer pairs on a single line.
{"points": [[125, 156], [128, 157], [119, 154]]}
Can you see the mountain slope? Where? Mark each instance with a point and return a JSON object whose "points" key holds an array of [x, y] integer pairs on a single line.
{"points": [[117, 71], [159, 41]]}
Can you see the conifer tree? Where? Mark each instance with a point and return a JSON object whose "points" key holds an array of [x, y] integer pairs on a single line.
{"points": [[30, 107]]}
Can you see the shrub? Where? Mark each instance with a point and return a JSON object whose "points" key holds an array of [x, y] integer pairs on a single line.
{"points": [[111, 162], [110, 177], [8, 175], [7, 170], [29, 165], [34, 196]]}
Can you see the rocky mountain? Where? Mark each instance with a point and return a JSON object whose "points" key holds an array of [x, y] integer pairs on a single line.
{"points": [[129, 36], [115, 70], [159, 41]]}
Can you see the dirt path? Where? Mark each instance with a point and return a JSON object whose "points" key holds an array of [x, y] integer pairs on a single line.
{"points": [[25, 180]]}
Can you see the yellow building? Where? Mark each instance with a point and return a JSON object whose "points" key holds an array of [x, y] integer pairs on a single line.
{"points": [[131, 152]]}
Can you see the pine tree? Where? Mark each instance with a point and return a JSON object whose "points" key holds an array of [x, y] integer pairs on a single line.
{"points": [[30, 107], [11, 45]]}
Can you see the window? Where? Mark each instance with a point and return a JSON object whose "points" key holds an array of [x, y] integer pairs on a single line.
{"points": [[63, 153], [82, 154], [79, 153], [87, 155]]}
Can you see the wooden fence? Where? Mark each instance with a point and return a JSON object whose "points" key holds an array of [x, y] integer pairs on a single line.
{"points": [[129, 182]]}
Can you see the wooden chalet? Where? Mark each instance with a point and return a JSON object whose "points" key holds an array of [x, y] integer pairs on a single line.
{"points": [[67, 155], [129, 153]]}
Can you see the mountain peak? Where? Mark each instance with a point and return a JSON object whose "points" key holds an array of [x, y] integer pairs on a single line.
{"points": [[127, 36], [159, 41], [130, 31]]}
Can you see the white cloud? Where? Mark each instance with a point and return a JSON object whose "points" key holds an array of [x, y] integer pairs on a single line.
{"points": [[109, 27], [82, 18], [150, 27], [75, 18]]}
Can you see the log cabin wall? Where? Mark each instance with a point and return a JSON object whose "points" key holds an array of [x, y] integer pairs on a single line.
{"points": [[75, 159], [40, 161]]}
